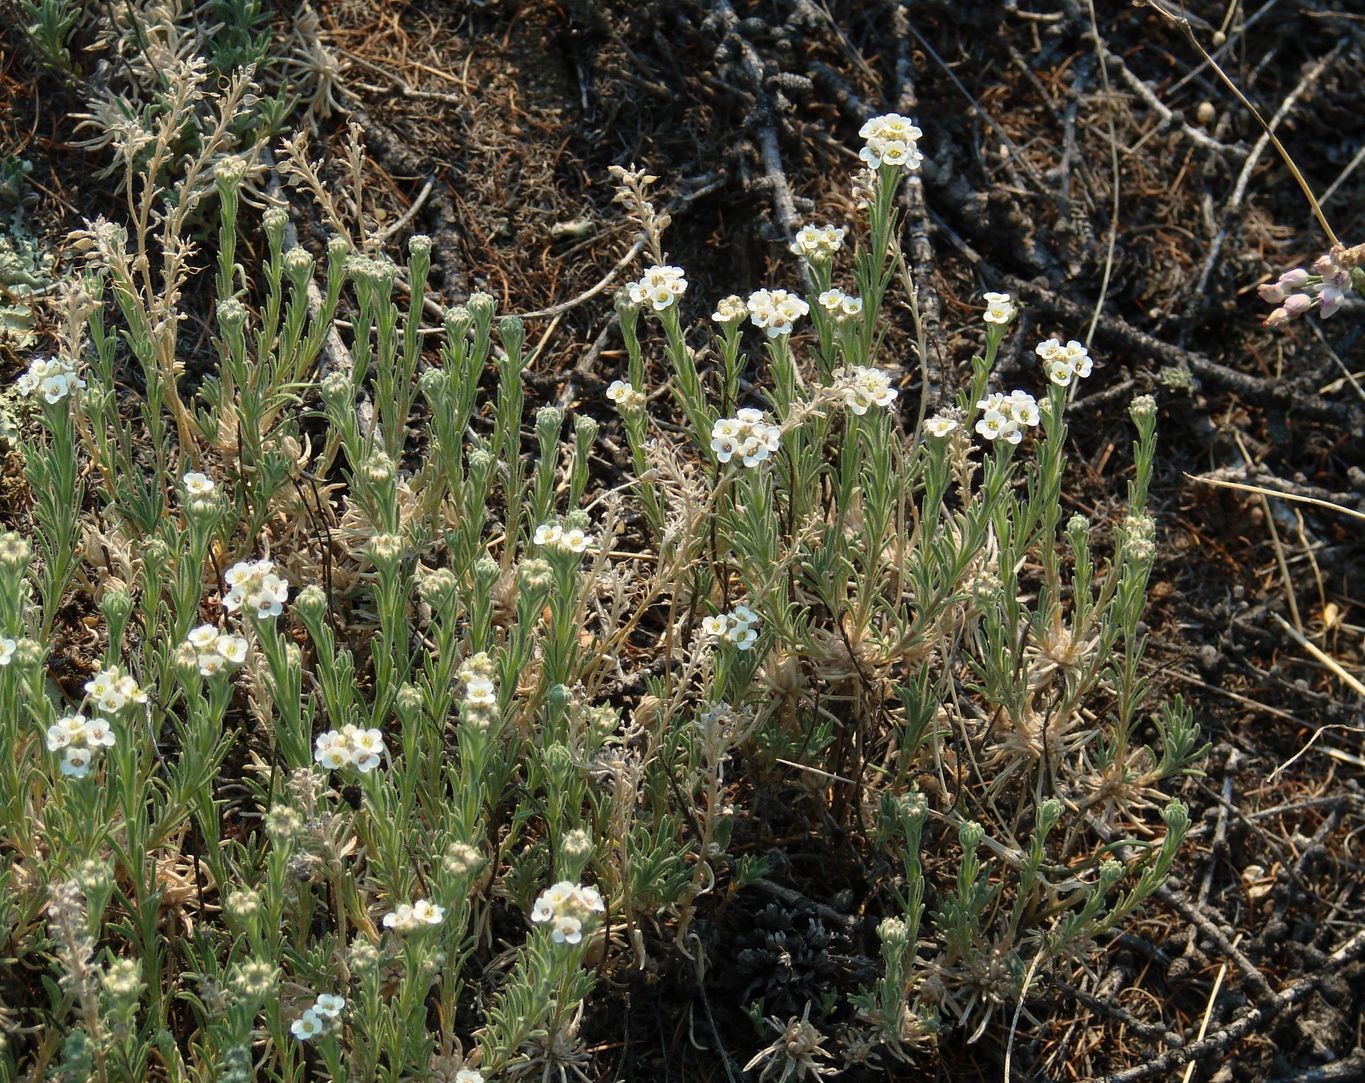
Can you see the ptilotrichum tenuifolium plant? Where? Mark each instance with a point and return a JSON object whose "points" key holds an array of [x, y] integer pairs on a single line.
{"points": [[375, 669]]}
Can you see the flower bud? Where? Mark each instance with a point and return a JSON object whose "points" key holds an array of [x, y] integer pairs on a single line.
{"points": [[274, 218], [1142, 408], [1271, 292], [1294, 280], [1296, 304], [970, 834], [549, 420], [482, 305], [311, 603], [419, 244], [512, 334]]}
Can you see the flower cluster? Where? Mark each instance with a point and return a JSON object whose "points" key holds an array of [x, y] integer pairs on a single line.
{"points": [[738, 626], [818, 243], [480, 693], [1006, 416], [350, 746], [999, 308], [112, 690], [1324, 288], [775, 311], [625, 396], [659, 287], [51, 377], [839, 304], [1064, 363], [15, 551], [254, 584], [80, 740], [891, 139], [730, 309], [325, 1010], [215, 652], [861, 388], [553, 536], [748, 435], [565, 907], [409, 917]]}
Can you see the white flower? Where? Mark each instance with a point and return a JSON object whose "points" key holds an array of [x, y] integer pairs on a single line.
{"points": [[197, 484], [861, 388], [254, 585], [565, 907], [306, 1026], [891, 139], [1063, 363], [658, 287], [423, 910], [853, 306], [730, 310], [51, 377], [832, 301], [231, 649], [818, 243], [939, 425], [576, 540], [351, 747], [408, 917], [747, 435], [328, 1005], [7, 647], [999, 308], [625, 396], [480, 690], [1006, 416], [744, 637], [58, 737], [202, 638], [549, 535], [76, 762], [468, 1075], [994, 425], [737, 626], [775, 311], [99, 733]]}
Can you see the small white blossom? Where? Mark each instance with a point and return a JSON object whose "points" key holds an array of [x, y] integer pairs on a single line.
{"points": [[999, 308], [1005, 417], [7, 647], [350, 746], [307, 1026], [736, 626], [748, 435], [892, 140], [79, 740], [862, 388], [197, 484], [939, 426], [52, 378], [565, 907], [818, 243], [253, 584], [625, 396], [658, 287], [468, 1075], [730, 310], [112, 690], [1063, 363], [214, 651], [775, 311], [573, 540], [329, 1005], [410, 917]]}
